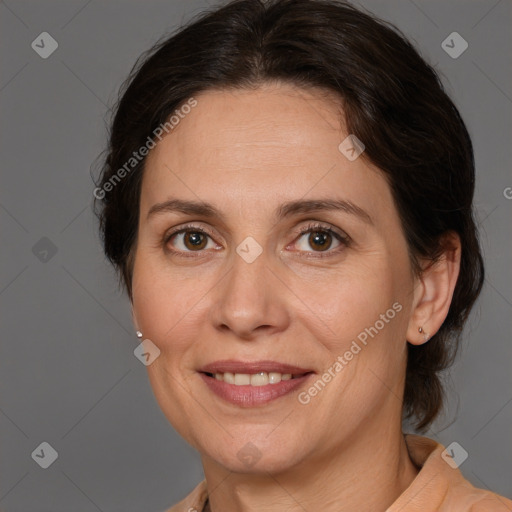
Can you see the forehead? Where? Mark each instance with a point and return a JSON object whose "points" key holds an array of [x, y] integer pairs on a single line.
{"points": [[250, 128], [271, 144]]}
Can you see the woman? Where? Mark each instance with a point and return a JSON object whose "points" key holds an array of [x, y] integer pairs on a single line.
{"points": [[288, 199]]}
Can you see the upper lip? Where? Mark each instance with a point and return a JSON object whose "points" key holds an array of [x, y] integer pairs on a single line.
{"points": [[233, 366]]}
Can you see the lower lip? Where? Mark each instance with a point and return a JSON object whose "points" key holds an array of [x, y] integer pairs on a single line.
{"points": [[250, 396]]}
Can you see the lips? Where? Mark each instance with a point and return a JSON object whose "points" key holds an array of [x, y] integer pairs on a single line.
{"points": [[253, 383]]}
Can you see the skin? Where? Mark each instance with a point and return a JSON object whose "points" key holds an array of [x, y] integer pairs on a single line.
{"points": [[247, 152]]}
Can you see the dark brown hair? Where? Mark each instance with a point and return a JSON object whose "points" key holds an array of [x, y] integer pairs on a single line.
{"points": [[393, 101]]}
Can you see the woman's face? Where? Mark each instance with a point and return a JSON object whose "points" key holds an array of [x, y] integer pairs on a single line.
{"points": [[243, 291]]}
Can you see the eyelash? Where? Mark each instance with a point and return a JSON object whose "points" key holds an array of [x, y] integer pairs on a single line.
{"points": [[312, 227]]}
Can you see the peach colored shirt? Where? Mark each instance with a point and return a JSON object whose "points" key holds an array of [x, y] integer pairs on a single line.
{"points": [[437, 488]]}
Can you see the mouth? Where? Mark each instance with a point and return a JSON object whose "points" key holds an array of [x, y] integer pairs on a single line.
{"points": [[254, 379], [248, 384]]}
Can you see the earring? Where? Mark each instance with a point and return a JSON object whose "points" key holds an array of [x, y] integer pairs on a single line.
{"points": [[139, 334], [426, 335]]}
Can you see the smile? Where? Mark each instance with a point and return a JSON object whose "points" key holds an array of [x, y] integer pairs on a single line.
{"points": [[255, 379], [251, 384]]}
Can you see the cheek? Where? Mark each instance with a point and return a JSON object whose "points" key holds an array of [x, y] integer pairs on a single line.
{"points": [[347, 300], [358, 316], [171, 305], [364, 341], [159, 302], [164, 309]]}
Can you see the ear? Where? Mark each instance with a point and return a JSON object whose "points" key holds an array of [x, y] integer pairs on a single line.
{"points": [[434, 291]]}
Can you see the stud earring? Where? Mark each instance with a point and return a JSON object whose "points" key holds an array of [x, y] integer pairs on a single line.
{"points": [[139, 334], [426, 335]]}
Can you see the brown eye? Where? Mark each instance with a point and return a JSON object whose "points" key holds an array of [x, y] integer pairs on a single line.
{"points": [[320, 240], [194, 240], [189, 240]]}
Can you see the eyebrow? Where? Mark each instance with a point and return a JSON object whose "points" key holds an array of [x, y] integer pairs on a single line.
{"points": [[288, 209]]}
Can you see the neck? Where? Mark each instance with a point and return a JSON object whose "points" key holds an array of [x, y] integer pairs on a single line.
{"points": [[367, 473]]}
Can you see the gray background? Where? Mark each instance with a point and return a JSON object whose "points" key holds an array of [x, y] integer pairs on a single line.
{"points": [[67, 371]]}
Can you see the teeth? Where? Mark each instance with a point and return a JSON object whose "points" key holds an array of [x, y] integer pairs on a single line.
{"points": [[259, 379], [242, 379], [255, 379], [274, 378], [228, 377]]}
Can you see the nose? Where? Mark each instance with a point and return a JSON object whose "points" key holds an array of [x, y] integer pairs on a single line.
{"points": [[250, 300]]}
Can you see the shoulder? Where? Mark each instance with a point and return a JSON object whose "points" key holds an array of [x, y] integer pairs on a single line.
{"points": [[193, 502], [466, 497], [440, 486]]}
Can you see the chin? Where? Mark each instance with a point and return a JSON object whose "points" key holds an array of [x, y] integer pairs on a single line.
{"points": [[259, 456]]}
